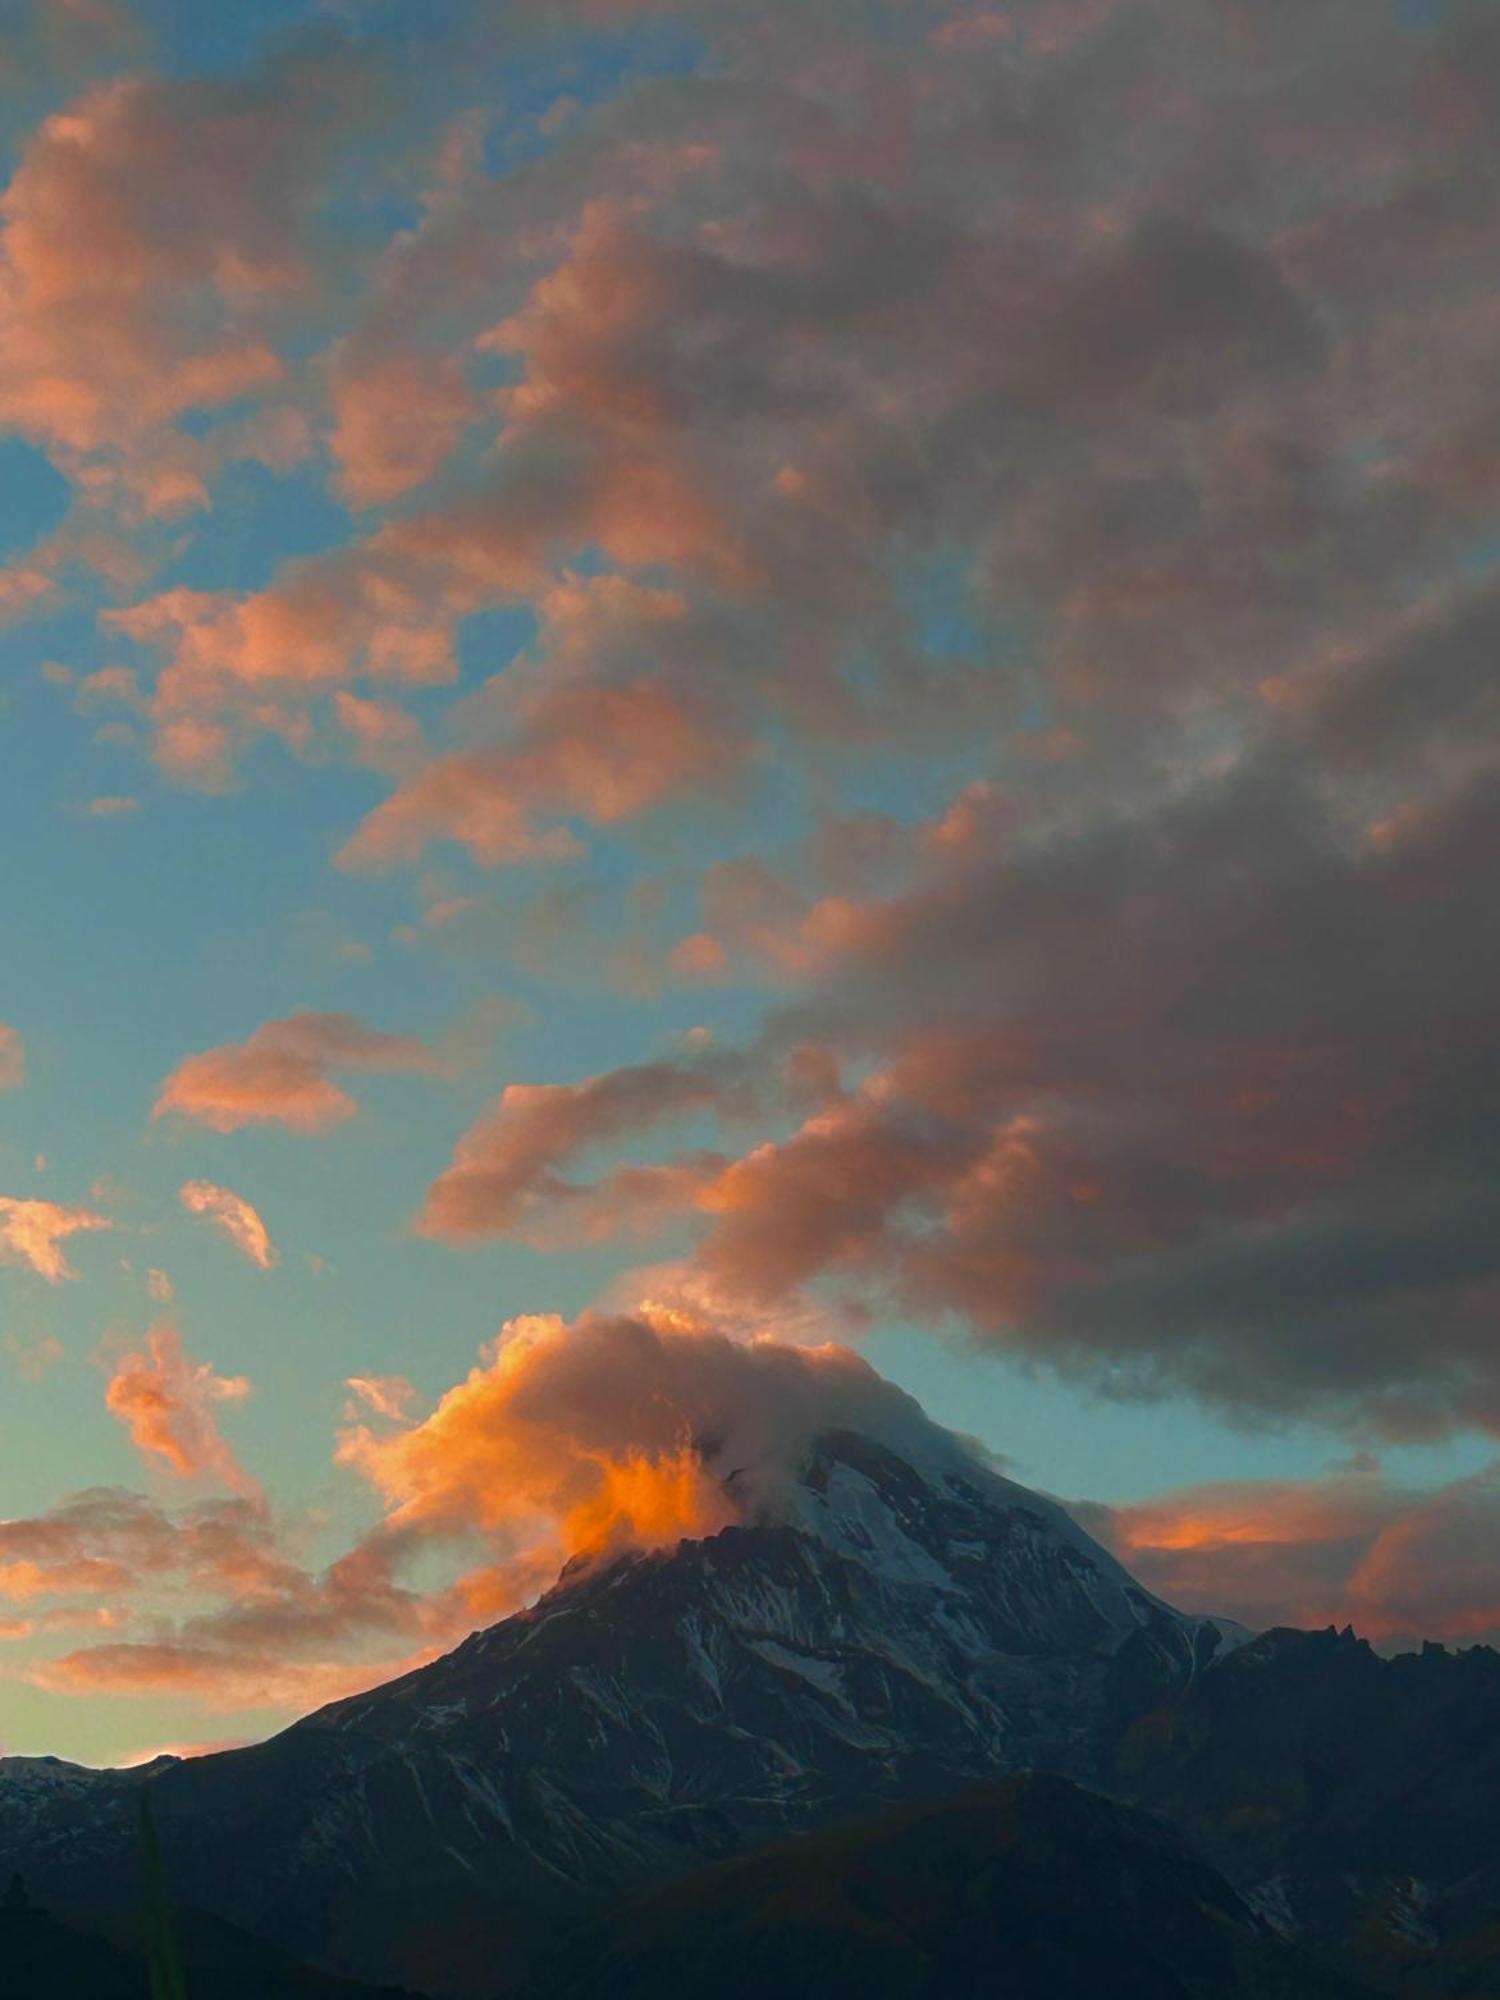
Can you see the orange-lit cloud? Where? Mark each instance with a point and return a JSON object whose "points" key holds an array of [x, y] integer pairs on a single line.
{"points": [[613, 1433], [235, 1218], [32, 1233], [21, 1580], [1398, 1564], [239, 667], [281, 1074], [168, 1402], [61, 1618], [218, 1681], [607, 1435]]}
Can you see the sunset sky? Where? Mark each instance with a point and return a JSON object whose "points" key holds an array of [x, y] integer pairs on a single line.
{"points": [[676, 676]]}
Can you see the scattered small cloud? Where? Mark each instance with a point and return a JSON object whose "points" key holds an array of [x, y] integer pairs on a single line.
{"points": [[235, 1218], [32, 1234]]}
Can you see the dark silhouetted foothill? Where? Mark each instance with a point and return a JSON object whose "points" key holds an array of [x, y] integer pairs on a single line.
{"points": [[1032, 1889]]}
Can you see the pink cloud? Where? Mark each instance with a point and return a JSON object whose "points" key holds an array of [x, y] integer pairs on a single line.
{"points": [[281, 1074], [235, 1218], [505, 1175], [155, 237], [167, 1401], [262, 1630], [390, 1396], [397, 418], [591, 733], [384, 736]]}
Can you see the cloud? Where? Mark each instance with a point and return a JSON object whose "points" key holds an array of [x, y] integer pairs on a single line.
{"points": [[389, 1396], [607, 1434], [617, 1432], [1166, 1040], [396, 420], [504, 1176], [383, 735], [167, 1401], [254, 1627], [764, 348], [1400, 1565], [608, 722], [633, 1431], [1093, 402], [218, 1682], [1154, 1098], [235, 1217], [12, 1059], [31, 1233], [112, 1543], [164, 297], [281, 1074], [52, 45], [33, 1358]]}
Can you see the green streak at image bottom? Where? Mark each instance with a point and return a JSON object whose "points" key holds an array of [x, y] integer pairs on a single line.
{"points": [[163, 1962]]}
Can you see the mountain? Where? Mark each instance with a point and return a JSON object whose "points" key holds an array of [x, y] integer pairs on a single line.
{"points": [[1031, 1888], [1355, 1799], [888, 1626]]}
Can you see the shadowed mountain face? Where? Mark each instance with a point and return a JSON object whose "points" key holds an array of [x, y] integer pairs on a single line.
{"points": [[893, 1630], [1357, 1799], [1030, 1888]]}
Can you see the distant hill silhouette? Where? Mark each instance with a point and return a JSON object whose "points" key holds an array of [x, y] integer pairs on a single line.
{"points": [[1031, 1889], [43, 1957]]}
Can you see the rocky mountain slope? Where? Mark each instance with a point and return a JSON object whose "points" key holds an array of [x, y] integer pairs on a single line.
{"points": [[894, 1627]]}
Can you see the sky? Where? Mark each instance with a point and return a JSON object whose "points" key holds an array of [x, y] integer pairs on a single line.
{"points": [[696, 699]]}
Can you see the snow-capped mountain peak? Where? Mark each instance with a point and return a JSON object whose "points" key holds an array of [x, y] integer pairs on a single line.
{"points": [[884, 1623]]}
